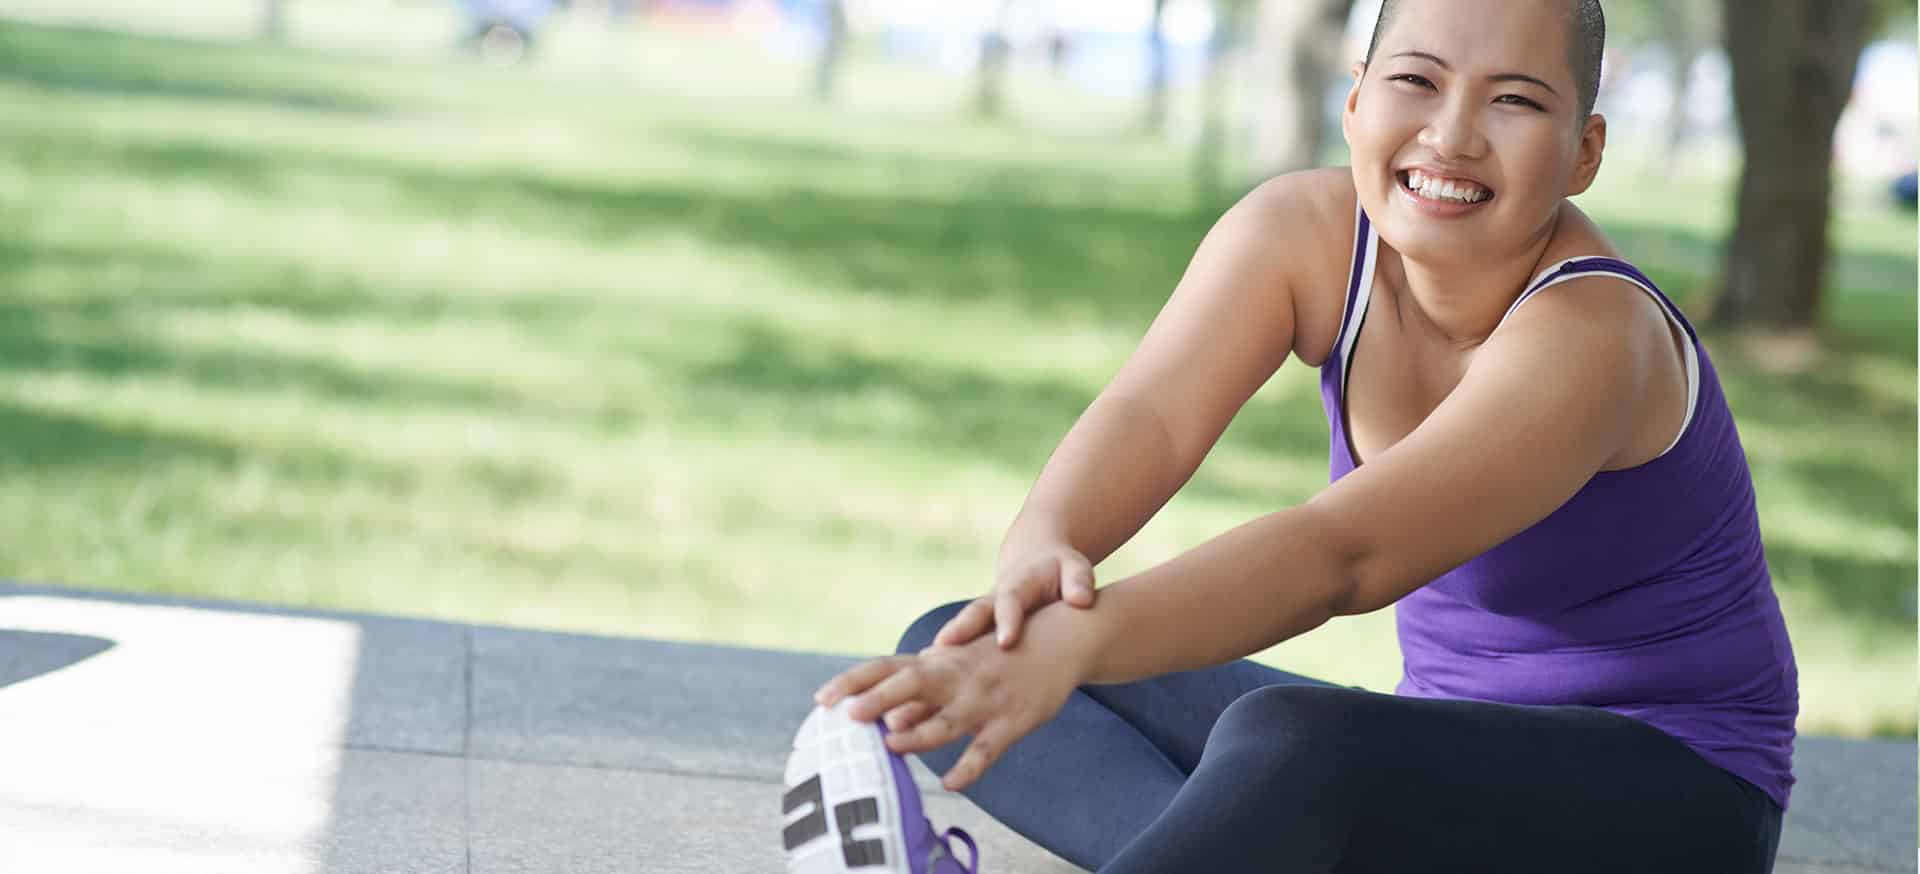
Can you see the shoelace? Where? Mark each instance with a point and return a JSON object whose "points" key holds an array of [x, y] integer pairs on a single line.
{"points": [[945, 849]]}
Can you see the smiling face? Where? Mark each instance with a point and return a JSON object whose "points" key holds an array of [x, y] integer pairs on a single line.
{"points": [[1465, 129]]}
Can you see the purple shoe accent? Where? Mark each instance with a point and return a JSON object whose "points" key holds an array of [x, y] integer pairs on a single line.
{"points": [[913, 816], [952, 861], [927, 852]]}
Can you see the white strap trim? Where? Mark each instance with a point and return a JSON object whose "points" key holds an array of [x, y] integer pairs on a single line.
{"points": [[1692, 352], [1350, 332], [1535, 286]]}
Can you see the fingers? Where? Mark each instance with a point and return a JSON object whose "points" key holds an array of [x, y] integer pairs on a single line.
{"points": [[1010, 606], [1076, 580], [938, 729], [858, 679], [969, 623], [897, 689], [908, 715], [980, 755]]}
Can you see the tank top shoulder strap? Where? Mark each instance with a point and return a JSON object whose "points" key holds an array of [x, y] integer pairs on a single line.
{"points": [[1595, 265], [1366, 247], [1589, 265]]}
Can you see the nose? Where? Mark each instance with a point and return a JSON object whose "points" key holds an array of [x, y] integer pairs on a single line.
{"points": [[1454, 131]]}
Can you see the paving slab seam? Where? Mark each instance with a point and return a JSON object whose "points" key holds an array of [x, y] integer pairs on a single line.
{"points": [[1837, 868], [730, 776], [734, 777], [466, 748]]}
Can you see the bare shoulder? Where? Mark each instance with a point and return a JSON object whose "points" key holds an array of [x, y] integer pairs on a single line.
{"points": [[1615, 334], [1602, 303], [1307, 220]]}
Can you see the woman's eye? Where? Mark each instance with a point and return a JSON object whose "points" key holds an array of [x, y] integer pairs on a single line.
{"points": [[1420, 81]]}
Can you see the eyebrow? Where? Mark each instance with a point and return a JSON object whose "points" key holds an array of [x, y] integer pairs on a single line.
{"points": [[1497, 77]]}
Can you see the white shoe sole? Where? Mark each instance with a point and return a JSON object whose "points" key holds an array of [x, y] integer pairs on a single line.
{"points": [[841, 811]]}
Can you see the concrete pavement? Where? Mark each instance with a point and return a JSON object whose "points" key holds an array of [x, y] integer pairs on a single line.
{"points": [[157, 735]]}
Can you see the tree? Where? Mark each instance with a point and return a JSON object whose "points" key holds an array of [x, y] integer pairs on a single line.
{"points": [[1156, 120], [1684, 31], [989, 99], [833, 47], [1229, 27], [1695, 27], [1793, 66], [273, 19], [1295, 57]]}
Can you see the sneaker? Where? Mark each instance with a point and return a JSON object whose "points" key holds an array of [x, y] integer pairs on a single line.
{"points": [[851, 806]]}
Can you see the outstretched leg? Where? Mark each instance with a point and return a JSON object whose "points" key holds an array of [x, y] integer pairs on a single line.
{"points": [[1314, 779], [1102, 770]]}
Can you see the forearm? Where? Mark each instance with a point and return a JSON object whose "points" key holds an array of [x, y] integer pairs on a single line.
{"points": [[1269, 580], [1114, 469]]}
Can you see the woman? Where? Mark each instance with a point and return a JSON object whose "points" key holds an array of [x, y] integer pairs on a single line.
{"points": [[1531, 456]]}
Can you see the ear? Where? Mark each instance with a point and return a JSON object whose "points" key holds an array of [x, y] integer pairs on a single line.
{"points": [[1353, 100], [1586, 166]]}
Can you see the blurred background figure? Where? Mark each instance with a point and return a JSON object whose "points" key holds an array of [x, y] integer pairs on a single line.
{"points": [[752, 320], [503, 31]]}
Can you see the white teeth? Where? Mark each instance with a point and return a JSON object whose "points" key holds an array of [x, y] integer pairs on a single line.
{"points": [[1435, 188]]}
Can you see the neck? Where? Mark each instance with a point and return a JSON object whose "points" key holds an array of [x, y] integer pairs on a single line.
{"points": [[1461, 303]]}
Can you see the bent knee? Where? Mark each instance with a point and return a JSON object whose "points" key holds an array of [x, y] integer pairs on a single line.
{"points": [[1297, 717], [920, 634]]}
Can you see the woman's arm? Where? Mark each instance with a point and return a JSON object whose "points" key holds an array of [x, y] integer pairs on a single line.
{"points": [[1227, 327], [1546, 403]]}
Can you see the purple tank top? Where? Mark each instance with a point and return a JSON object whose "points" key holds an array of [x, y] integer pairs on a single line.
{"points": [[1647, 593]]}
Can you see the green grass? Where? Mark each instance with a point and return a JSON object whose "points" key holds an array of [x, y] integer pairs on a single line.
{"points": [[639, 343]]}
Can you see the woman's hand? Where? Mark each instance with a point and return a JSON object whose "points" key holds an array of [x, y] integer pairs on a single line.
{"points": [[1034, 579], [947, 692]]}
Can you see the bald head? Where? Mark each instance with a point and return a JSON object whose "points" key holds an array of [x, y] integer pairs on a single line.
{"points": [[1586, 42]]}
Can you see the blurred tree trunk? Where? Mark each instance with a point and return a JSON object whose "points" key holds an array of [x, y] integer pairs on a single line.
{"points": [[1793, 66], [1229, 28], [990, 99], [273, 20], [1692, 28], [1295, 55], [833, 47], [1156, 120], [1683, 56]]}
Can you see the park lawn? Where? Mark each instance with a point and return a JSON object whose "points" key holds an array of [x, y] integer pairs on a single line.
{"points": [[656, 348]]}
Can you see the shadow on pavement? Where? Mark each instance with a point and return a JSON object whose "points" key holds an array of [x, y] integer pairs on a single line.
{"points": [[28, 654]]}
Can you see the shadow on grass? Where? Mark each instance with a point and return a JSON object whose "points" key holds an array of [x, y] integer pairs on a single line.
{"points": [[1876, 596], [106, 335], [91, 61], [953, 412], [993, 176], [1681, 260], [43, 441], [1107, 264]]}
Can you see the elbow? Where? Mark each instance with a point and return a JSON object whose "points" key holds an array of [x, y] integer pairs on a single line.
{"points": [[1344, 563], [1360, 594], [1375, 580]]}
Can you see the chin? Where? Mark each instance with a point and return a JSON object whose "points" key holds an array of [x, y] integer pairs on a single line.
{"points": [[1428, 242]]}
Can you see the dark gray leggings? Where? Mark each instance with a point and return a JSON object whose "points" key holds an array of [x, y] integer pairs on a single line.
{"points": [[1246, 768]]}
